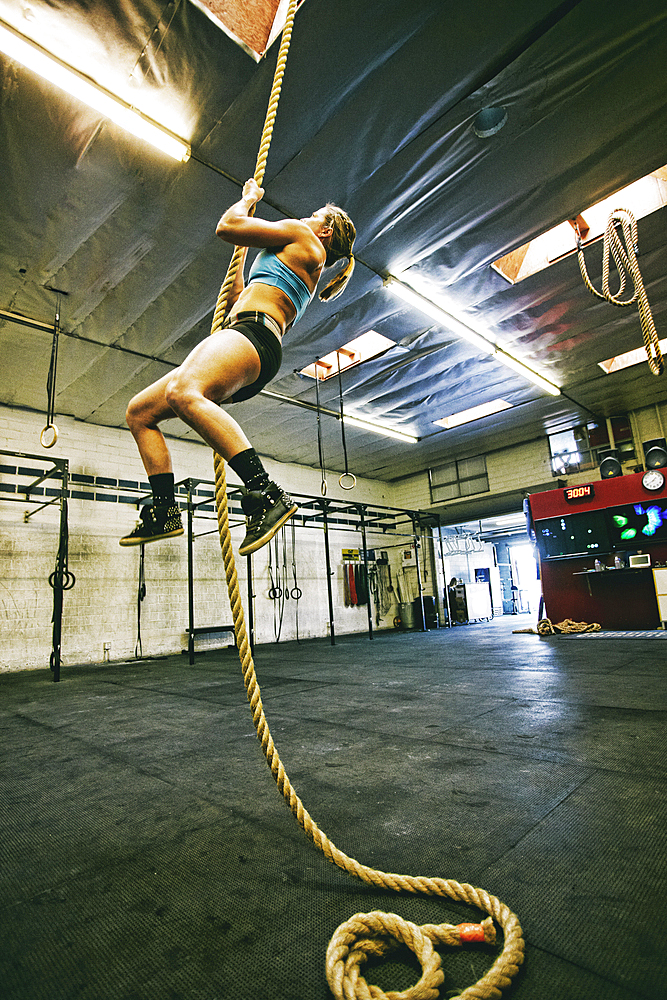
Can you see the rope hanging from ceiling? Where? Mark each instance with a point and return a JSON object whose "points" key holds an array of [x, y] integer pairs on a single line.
{"points": [[624, 252], [365, 935]]}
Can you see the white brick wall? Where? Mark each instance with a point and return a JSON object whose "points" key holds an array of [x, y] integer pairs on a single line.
{"points": [[102, 606]]}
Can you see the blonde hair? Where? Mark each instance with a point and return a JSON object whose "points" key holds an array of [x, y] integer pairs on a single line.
{"points": [[340, 246]]}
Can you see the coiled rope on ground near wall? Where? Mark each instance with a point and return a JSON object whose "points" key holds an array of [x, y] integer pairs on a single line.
{"points": [[364, 935]]}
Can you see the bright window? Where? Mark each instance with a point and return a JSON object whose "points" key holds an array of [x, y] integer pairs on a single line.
{"points": [[641, 198], [252, 24], [462, 478], [368, 345]]}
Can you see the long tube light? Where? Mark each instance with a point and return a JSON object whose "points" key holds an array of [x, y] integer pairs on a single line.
{"points": [[518, 366], [366, 425], [436, 312], [35, 58]]}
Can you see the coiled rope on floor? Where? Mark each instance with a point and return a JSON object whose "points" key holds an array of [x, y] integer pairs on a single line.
{"points": [[627, 265], [370, 934], [546, 627]]}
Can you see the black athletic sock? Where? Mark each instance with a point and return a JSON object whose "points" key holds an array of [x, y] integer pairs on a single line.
{"points": [[162, 484], [248, 466]]}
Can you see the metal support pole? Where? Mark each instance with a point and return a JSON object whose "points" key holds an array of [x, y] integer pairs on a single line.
{"points": [[360, 510], [415, 525], [445, 596], [324, 505], [191, 585]]}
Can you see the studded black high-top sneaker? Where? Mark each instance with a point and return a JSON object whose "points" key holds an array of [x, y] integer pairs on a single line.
{"points": [[266, 511], [156, 522]]}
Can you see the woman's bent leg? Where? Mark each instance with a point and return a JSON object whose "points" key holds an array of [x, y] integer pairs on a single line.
{"points": [[217, 368], [144, 413], [162, 518]]}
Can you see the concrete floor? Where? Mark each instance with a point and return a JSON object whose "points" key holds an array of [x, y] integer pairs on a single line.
{"points": [[147, 854]]}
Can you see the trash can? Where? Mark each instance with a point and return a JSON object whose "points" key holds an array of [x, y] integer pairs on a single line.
{"points": [[407, 615], [430, 613]]}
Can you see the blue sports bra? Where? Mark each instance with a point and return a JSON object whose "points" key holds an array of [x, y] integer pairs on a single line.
{"points": [[268, 269]]}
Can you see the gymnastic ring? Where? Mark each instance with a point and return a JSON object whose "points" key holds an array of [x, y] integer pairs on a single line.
{"points": [[352, 476], [68, 580], [275, 593], [49, 427], [323, 488], [296, 593]]}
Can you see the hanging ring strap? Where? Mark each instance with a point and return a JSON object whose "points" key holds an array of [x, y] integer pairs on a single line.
{"points": [[624, 252], [296, 592], [320, 450], [61, 578], [346, 475], [141, 595], [274, 590], [284, 566], [51, 386]]}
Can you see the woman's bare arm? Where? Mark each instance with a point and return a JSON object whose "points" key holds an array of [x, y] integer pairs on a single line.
{"points": [[237, 226]]}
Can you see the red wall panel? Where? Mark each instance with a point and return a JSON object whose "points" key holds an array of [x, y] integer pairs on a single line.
{"points": [[616, 599]]}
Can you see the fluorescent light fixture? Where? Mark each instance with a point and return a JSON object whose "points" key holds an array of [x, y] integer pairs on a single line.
{"points": [[436, 312], [363, 348], [642, 198], [375, 428], [628, 359], [474, 413], [527, 372], [440, 315], [37, 59]]}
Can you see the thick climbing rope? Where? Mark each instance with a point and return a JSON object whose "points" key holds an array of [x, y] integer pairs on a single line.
{"points": [[371, 934], [566, 627], [627, 265]]}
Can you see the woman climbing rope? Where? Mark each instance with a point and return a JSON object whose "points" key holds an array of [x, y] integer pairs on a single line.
{"points": [[236, 362]]}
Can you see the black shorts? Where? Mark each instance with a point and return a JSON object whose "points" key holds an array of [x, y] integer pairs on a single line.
{"points": [[270, 353]]}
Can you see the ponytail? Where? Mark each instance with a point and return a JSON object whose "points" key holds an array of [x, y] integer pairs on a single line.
{"points": [[338, 282], [340, 247]]}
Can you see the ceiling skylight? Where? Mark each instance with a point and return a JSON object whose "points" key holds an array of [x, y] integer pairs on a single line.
{"points": [[641, 198], [628, 359], [368, 345], [253, 26], [474, 413]]}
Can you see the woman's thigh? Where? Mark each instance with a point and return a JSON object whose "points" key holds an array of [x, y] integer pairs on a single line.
{"points": [[219, 366], [150, 405]]}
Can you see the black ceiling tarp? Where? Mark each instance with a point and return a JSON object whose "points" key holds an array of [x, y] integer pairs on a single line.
{"points": [[376, 112]]}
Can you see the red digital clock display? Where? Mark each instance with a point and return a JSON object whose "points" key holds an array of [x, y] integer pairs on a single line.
{"points": [[574, 494]]}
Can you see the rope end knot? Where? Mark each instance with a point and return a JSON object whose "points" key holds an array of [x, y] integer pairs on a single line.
{"points": [[484, 933]]}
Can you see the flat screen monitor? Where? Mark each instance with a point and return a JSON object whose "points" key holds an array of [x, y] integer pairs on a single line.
{"points": [[573, 534], [634, 525]]}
